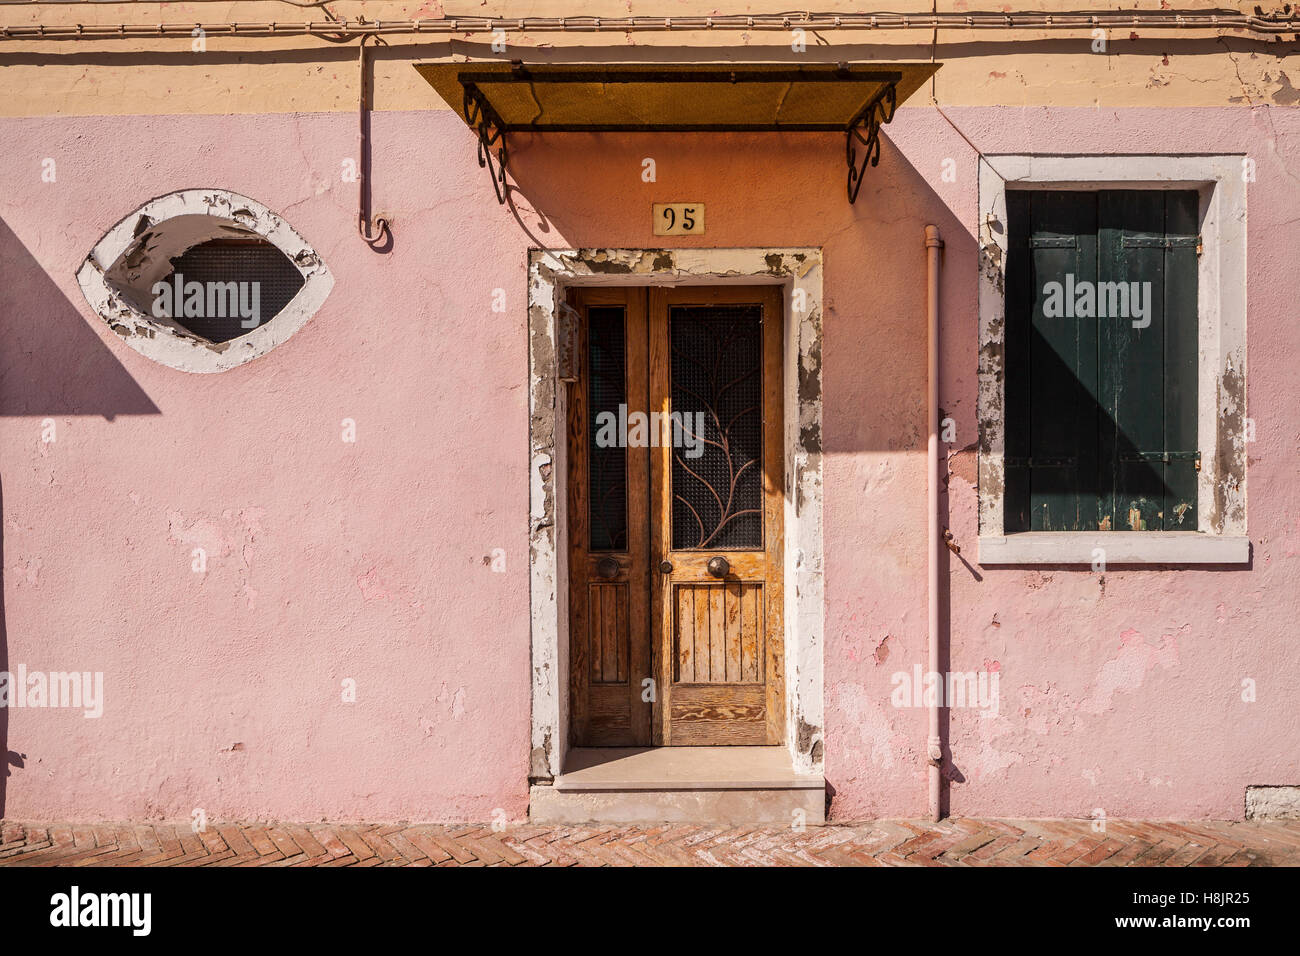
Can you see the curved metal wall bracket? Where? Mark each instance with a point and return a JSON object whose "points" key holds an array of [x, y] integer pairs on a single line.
{"points": [[864, 129], [491, 135]]}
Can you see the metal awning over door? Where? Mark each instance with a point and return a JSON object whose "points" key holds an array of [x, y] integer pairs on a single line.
{"points": [[497, 98]]}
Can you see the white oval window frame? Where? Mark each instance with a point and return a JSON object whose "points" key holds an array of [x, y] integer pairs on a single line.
{"points": [[165, 341]]}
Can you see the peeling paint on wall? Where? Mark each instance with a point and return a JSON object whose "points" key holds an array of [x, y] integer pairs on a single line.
{"points": [[119, 272]]}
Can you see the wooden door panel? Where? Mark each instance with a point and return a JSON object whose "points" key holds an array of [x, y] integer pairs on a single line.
{"points": [[712, 715], [717, 641], [608, 634], [719, 637], [608, 525], [609, 721]]}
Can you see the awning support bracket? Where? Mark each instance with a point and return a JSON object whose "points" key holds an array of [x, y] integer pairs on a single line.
{"points": [[864, 129], [491, 134]]}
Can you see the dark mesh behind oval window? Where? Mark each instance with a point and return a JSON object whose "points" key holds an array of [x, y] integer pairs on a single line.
{"points": [[606, 391], [717, 369], [244, 261]]}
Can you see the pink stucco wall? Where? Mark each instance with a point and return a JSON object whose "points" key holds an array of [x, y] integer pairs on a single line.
{"points": [[370, 561]]}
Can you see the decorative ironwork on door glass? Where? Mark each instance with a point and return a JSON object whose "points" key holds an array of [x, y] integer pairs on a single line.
{"points": [[717, 382], [606, 392]]}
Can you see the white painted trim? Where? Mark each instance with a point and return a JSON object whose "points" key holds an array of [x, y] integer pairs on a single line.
{"points": [[1114, 547], [1221, 297], [162, 339], [800, 271]]}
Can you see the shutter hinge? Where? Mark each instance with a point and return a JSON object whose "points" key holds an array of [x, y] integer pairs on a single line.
{"points": [[1021, 462], [1163, 242], [1164, 457]]}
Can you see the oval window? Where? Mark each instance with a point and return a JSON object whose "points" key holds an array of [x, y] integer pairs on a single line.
{"points": [[203, 280]]}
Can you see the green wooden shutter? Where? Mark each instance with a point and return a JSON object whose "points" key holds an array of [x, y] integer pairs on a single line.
{"points": [[1182, 352], [1051, 380], [1100, 413], [1148, 380]]}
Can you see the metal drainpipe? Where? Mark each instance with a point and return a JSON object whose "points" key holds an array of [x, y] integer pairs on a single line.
{"points": [[372, 232], [935, 749]]}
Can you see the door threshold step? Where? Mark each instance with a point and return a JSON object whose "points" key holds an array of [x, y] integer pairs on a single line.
{"points": [[734, 785], [683, 768]]}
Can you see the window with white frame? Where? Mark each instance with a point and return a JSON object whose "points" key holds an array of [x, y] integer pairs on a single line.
{"points": [[203, 280], [1112, 318]]}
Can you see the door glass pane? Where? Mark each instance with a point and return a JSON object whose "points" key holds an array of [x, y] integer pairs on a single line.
{"points": [[606, 391], [717, 396]]}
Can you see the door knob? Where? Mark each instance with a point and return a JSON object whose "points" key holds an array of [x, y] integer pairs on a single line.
{"points": [[719, 567], [607, 568], [666, 567]]}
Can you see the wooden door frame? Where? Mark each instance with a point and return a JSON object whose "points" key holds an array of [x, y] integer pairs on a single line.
{"points": [[798, 272]]}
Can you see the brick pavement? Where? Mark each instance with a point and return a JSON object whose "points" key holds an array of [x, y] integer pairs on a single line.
{"points": [[958, 842]]}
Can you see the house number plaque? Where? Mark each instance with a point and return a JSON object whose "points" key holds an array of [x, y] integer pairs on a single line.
{"points": [[679, 218]]}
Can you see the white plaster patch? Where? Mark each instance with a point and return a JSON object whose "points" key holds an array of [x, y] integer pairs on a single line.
{"points": [[110, 276], [1128, 669], [872, 725], [1273, 803], [232, 534]]}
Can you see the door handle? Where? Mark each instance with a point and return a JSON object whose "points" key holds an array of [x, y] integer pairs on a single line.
{"points": [[719, 567], [607, 568], [666, 567]]}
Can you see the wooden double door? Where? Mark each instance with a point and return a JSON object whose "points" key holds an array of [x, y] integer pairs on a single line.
{"points": [[675, 517]]}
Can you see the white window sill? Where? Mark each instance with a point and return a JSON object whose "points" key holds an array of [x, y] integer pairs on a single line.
{"points": [[1118, 547]]}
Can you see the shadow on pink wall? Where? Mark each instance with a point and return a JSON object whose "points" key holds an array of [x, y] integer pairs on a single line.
{"points": [[52, 364]]}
